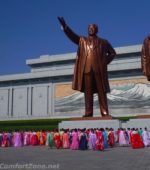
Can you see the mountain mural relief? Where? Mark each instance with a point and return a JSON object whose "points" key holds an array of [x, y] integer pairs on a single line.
{"points": [[125, 99]]}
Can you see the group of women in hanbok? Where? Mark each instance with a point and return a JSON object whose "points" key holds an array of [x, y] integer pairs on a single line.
{"points": [[137, 138], [75, 139], [78, 139]]}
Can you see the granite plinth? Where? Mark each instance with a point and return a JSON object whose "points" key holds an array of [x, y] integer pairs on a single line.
{"points": [[137, 123], [140, 121], [90, 123]]}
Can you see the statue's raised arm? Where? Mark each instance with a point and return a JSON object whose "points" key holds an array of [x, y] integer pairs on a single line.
{"points": [[70, 34], [62, 22]]}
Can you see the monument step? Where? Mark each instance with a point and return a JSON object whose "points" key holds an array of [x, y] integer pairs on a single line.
{"points": [[143, 116], [92, 118]]}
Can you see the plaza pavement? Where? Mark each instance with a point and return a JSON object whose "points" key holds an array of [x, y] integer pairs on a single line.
{"points": [[42, 157]]}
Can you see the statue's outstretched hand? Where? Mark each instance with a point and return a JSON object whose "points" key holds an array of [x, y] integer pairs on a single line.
{"points": [[62, 22]]}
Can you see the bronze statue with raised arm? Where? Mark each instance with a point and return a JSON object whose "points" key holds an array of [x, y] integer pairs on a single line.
{"points": [[145, 57], [90, 72]]}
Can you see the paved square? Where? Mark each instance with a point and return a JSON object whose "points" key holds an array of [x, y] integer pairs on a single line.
{"points": [[42, 157]]}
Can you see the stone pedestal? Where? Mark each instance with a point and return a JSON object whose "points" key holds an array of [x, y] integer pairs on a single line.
{"points": [[140, 121], [90, 122], [137, 123]]}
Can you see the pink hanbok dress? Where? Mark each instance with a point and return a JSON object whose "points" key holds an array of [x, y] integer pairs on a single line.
{"points": [[26, 138], [75, 141], [5, 140]]}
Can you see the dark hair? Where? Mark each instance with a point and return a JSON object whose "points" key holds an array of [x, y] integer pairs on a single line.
{"points": [[96, 27]]}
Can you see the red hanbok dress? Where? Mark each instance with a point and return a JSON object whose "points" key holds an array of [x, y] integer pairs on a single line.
{"points": [[136, 141], [34, 139], [42, 138], [99, 141], [111, 139], [57, 140]]}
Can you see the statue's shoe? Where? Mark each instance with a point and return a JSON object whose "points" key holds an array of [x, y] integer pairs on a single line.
{"points": [[88, 116]]}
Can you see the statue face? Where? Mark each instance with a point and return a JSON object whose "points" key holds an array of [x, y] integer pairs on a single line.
{"points": [[92, 29]]}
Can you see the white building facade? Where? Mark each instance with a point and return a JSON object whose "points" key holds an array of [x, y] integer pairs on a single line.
{"points": [[36, 94]]}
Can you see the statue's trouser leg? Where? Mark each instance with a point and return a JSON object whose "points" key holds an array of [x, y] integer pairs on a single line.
{"points": [[88, 94], [148, 77], [102, 96]]}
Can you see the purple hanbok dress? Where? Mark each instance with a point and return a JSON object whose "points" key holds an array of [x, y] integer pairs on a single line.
{"points": [[18, 139], [122, 139], [92, 141], [146, 138]]}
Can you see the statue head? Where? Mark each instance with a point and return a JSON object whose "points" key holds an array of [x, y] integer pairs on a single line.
{"points": [[92, 29], [148, 37]]}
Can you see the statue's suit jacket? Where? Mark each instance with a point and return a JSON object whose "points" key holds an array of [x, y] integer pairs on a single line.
{"points": [[104, 55], [145, 57]]}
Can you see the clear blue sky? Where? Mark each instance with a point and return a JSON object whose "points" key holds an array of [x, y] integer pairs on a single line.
{"points": [[29, 28]]}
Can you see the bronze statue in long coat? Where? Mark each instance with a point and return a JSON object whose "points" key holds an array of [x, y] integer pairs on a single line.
{"points": [[145, 57], [90, 72]]}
